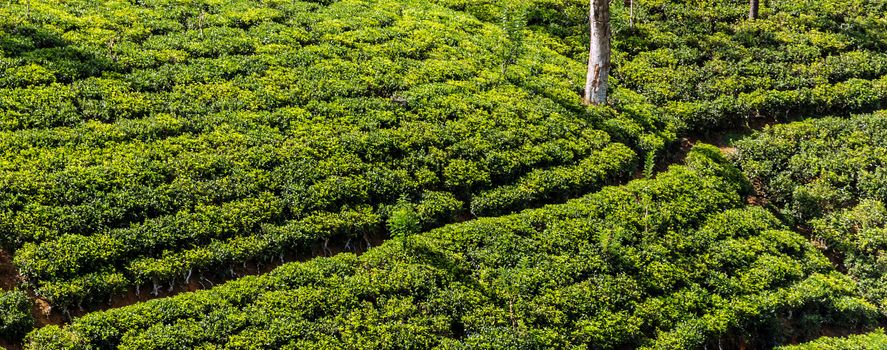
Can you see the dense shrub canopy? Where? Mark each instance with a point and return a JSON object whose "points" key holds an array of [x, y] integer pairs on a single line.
{"points": [[705, 65], [818, 166], [15, 314], [859, 236], [831, 176], [150, 142], [673, 262], [153, 143], [701, 65]]}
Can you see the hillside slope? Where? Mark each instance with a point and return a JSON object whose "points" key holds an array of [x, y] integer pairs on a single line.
{"points": [[673, 262], [159, 146], [154, 143]]}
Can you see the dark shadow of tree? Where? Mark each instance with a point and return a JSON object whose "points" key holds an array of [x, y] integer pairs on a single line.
{"points": [[29, 43]]}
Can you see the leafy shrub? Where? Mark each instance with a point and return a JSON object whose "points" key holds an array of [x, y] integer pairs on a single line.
{"points": [[29, 75], [816, 167], [15, 314], [404, 221], [859, 236]]}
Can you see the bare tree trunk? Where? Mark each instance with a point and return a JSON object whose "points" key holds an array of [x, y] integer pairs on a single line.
{"points": [[753, 9], [599, 53], [631, 13]]}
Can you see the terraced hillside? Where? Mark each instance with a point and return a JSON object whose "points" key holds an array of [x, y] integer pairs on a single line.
{"points": [[159, 142], [674, 262], [157, 147]]}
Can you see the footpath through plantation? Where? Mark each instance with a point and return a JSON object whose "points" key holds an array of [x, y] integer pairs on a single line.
{"points": [[152, 147]]}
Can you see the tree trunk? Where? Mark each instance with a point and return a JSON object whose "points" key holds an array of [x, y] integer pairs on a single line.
{"points": [[753, 9], [599, 53], [631, 13]]}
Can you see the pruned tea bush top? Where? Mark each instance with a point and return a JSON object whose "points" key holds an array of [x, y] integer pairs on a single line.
{"points": [[674, 262], [830, 175], [148, 141]]}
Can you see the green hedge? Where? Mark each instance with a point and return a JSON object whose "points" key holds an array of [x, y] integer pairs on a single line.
{"points": [[859, 236], [560, 182], [672, 262], [143, 143]]}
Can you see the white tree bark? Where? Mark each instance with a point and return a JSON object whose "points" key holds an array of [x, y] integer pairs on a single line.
{"points": [[631, 13], [599, 53]]}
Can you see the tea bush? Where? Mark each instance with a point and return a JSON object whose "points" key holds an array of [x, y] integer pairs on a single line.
{"points": [[15, 314], [815, 167], [859, 236]]}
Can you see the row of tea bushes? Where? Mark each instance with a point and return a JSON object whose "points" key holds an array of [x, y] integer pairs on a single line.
{"points": [[143, 143], [672, 262], [830, 176]]}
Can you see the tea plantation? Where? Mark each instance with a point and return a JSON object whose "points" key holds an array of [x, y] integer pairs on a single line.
{"points": [[432, 169], [673, 262], [193, 146], [830, 175]]}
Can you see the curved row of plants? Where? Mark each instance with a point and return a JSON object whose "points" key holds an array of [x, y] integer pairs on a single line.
{"points": [[829, 177], [155, 143], [701, 65], [673, 262]]}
